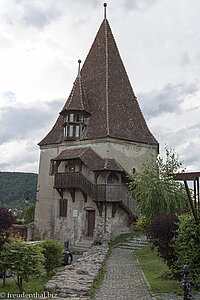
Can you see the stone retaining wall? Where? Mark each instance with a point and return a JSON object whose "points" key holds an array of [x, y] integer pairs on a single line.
{"points": [[78, 279]]}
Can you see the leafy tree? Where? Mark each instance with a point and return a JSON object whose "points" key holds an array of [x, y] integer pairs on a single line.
{"points": [[6, 221], [52, 251], [29, 213], [24, 259], [155, 191]]}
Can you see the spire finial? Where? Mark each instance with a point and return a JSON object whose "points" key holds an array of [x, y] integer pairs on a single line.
{"points": [[105, 5], [79, 68]]}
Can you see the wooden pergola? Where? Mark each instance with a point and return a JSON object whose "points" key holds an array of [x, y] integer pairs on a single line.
{"points": [[194, 176]]}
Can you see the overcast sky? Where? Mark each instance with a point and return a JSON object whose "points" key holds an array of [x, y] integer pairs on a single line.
{"points": [[41, 41]]}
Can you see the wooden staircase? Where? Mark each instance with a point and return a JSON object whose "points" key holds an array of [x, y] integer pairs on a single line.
{"points": [[115, 193]]}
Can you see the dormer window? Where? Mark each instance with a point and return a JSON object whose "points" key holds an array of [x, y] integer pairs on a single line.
{"points": [[76, 111], [75, 124]]}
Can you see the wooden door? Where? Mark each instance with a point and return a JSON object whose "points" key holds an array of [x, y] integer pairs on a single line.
{"points": [[91, 222]]}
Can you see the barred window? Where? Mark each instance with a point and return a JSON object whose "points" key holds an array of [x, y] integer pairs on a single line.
{"points": [[63, 207]]}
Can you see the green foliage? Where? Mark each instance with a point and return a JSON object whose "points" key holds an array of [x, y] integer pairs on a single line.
{"points": [[24, 259], [155, 191], [52, 251], [142, 224], [19, 222], [15, 187], [187, 246], [29, 213]]}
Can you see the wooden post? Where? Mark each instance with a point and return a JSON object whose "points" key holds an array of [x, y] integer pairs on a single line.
{"points": [[195, 195], [198, 191], [190, 200]]}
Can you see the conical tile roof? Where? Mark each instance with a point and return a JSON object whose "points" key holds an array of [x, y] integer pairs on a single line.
{"points": [[77, 100], [111, 100]]}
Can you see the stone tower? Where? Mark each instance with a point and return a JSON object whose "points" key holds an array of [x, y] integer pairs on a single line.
{"points": [[99, 138]]}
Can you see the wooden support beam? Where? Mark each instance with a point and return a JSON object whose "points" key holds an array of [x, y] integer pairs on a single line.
{"points": [[60, 192], [96, 175], [84, 196], [99, 207], [131, 218], [57, 165], [190, 200], [114, 208], [72, 193]]}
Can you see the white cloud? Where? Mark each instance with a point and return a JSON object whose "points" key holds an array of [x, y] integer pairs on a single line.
{"points": [[41, 41]]}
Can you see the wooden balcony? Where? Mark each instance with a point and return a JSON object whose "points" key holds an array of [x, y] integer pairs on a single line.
{"points": [[98, 192]]}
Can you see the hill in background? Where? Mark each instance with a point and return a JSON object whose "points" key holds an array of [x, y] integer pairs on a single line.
{"points": [[15, 187]]}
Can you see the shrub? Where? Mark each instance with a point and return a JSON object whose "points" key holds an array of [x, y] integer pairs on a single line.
{"points": [[161, 233], [52, 251], [187, 246], [142, 224]]}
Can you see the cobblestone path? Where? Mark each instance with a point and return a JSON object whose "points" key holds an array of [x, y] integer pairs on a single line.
{"points": [[124, 278]]}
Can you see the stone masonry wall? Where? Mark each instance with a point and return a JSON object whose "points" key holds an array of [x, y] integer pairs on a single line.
{"points": [[78, 279]]}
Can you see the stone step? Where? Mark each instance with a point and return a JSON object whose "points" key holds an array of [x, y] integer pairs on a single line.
{"points": [[129, 248], [138, 242], [144, 239], [83, 245], [134, 245]]}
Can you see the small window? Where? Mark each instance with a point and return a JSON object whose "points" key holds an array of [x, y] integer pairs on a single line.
{"points": [[77, 131], [70, 130], [63, 207], [66, 131], [71, 117]]}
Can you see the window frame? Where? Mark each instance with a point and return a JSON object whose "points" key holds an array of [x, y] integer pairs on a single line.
{"points": [[63, 204]]}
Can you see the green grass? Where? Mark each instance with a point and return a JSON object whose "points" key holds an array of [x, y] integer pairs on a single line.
{"points": [[98, 282], [153, 268], [34, 285]]}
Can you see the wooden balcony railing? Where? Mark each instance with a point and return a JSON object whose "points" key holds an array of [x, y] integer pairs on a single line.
{"points": [[98, 192]]}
